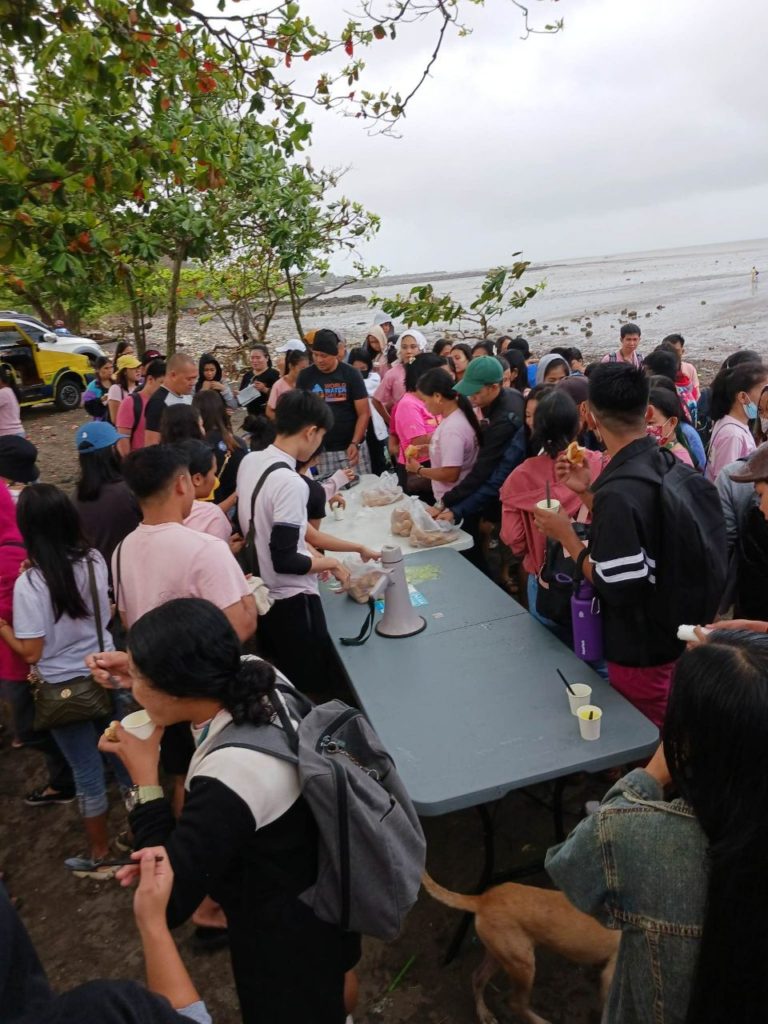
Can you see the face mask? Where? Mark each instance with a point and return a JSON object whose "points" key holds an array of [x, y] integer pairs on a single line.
{"points": [[657, 430], [750, 408]]}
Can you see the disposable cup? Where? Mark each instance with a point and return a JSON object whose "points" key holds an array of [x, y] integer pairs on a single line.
{"points": [[139, 724], [338, 513], [553, 506], [579, 697], [589, 727]]}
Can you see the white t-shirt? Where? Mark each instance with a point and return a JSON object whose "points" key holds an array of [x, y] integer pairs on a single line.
{"points": [[380, 428], [454, 443], [282, 501], [68, 641], [160, 563]]}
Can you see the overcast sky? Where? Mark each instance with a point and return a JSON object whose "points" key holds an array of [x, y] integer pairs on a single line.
{"points": [[641, 126]]}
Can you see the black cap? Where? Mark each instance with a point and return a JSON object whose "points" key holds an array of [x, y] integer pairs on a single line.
{"points": [[325, 341], [17, 459]]}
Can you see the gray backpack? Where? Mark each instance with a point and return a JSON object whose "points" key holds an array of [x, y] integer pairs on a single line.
{"points": [[372, 849]]}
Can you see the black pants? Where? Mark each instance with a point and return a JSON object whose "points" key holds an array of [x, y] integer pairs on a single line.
{"points": [[294, 637]]}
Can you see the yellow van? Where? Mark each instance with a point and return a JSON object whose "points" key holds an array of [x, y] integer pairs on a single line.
{"points": [[43, 376]]}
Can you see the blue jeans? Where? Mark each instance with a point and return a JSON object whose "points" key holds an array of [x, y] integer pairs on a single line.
{"points": [[78, 743]]}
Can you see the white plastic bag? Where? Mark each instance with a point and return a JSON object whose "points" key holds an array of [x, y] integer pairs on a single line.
{"points": [[426, 531], [363, 577], [384, 492], [400, 521]]}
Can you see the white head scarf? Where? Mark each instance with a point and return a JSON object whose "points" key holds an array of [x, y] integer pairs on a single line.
{"points": [[377, 332], [417, 336]]}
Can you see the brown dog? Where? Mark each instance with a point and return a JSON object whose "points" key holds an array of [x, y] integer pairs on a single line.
{"points": [[511, 921]]}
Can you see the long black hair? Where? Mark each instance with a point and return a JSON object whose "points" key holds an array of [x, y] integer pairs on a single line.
{"points": [[179, 423], [667, 401], [206, 359], [53, 536], [516, 361], [555, 423], [419, 365], [714, 744], [729, 382], [213, 412], [187, 648], [263, 348], [293, 357], [8, 378], [96, 470], [440, 382]]}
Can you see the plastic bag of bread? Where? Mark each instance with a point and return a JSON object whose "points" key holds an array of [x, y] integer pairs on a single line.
{"points": [[385, 491], [401, 522], [363, 577], [427, 532]]}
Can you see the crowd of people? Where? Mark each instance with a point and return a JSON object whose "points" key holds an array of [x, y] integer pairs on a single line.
{"points": [[191, 538]]}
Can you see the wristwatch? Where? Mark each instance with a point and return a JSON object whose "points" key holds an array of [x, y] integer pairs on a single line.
{"points": [[142, 795]]}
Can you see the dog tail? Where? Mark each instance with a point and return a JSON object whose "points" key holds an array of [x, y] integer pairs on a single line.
{"points": [[450, 899]]}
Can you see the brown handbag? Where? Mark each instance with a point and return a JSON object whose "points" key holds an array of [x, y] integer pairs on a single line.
{"points": [[77, 700]]}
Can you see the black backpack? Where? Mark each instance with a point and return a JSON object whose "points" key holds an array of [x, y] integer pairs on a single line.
{"points": [[692, 566], [558, 578]]}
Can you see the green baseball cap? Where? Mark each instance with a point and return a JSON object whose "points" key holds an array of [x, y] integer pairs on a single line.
{"points": [[481, 371]]}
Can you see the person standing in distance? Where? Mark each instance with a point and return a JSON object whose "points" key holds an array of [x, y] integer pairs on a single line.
{"points": [[176, 389], [343, 390], [629, 339]]}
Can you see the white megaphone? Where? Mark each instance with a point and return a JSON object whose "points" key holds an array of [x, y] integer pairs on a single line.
{"points": [[400, 618]]}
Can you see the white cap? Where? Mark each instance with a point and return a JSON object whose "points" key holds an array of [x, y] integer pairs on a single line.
{"points": [[382, 318], [292, 345]]}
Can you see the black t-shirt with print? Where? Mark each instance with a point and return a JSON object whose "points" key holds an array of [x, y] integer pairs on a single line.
{"points": [[340, 388], [157, 405], [258, 407]]}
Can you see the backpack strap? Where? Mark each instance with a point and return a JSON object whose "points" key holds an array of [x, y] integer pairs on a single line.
{"points": [[365, 632], [281, 743], [95, 602], [250, 538], [137, 403]]}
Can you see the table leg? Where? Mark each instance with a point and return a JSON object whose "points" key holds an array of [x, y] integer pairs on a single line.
{"points": [[557, 808], [489, 837]]}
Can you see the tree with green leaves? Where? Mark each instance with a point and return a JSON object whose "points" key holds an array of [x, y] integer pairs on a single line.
{"points": [[497, 297]]}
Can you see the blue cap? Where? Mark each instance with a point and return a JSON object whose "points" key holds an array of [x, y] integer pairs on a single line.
{"points": [[92, 437]]}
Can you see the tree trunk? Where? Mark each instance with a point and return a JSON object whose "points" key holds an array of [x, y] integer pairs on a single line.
{"points": [[295, 304], [173, 299], [136, 317]]}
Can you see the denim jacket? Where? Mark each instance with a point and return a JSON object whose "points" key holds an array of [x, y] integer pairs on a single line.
{"points": [[640, 865]]}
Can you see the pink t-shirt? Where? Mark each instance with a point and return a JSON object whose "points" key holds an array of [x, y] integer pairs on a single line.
{"points": [[454, 443], [731, 440], [160, 563], [206, 517], [278, 388], [392, 387], [10, 413], [125, 419], [410, 418], [117, 393]]}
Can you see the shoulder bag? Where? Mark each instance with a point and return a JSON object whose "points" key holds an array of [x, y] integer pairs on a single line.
{"points": [[77, 700]]}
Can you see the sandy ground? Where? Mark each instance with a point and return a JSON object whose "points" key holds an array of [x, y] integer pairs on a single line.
{"points": [[84, 929]]}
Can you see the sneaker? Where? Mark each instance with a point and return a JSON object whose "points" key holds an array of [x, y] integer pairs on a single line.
{"points": [[87, 867], [39, 797]]}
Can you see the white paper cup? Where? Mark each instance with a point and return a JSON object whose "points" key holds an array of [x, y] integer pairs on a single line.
{"points": [[579, 697], [553, 506], [139, 724], [338, 513], [589, 727]]}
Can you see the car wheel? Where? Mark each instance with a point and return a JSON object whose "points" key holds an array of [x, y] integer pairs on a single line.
{"points": [[67, 395]]}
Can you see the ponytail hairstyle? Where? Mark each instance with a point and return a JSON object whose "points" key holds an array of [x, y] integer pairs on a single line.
{"points": [[294, 357], [439, 382], [714, 744], [516, 361], [8, 379], [555, 423], [187, 648], [729, 382]]}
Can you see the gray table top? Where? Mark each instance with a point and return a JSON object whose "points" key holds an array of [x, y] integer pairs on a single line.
{"points": [[472, 707]]}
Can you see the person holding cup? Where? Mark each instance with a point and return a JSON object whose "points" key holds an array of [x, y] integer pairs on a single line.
{"points": [[534, 484], [683, 878], [245, 834]]}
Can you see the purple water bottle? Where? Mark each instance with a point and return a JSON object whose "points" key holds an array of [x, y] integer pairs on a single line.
{"points": [[587, 622]]}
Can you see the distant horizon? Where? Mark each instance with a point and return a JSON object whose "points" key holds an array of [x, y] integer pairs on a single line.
{"points": [[551, 261]]}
